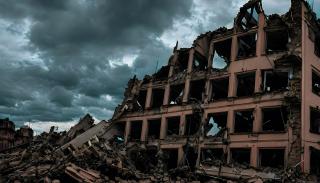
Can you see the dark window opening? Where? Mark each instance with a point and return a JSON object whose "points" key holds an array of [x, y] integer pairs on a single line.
{"points": [[152, 152], [118, 137], [315, 83], [192, 124], [197, 89], [220, 88], [241, 155], [173, 125], [135, 131], [273, 158], [217, 124], [154, 127], [249, 16], [142, 98], [200, 62], [171, 158], [191, 157], [212, 156], [157, 98], [176, 94], [277, 40], [247, 46], [317, 45], [183, 59], [315, 161], [274, 119], [243, 121], [314, 120], [275, 81], [162, 74], [246, 84], [222, 54]]}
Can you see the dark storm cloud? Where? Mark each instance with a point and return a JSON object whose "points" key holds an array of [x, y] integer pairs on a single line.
{"points": [[76, 45]]}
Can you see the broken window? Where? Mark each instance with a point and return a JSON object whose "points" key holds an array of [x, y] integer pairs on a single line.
{"points": [[154, 127], [273, 158], [170, 158], [197, 89], [248, 16], [173, 125], [275, 80], [315, 83], [157, 97], [314, 161], [246, 84], [220, 88], [241, 155], [277, 40], [247, 46], [212, 156], [314, 120], [183, 59], [162, 74], [274, 119], [135, 130], [192, 124], [191, 155], [243, 121], [222, 54], [200, 62], [142, 98], [317, 45], [176, 94], [217, 124]]}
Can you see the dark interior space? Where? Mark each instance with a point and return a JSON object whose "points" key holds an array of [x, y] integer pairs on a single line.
{"points": [[314, 120], [274, 119], [246, 83], [182, 63], [217, 124], [162, 74], [247, 46], [277, 40], [157, 97], [220, 88], [248, 17], [241, 155], [243, 121], [142, 98], [212, 156], [275, 81], [171, 158], [154, 126], [315, 161], [135, 130], [200, 62], [191, 155], [223, 49], [315, 83], [273, 158], [173, 125], [176, 94], [197, 89], [192, 124], [152, 152], [317, 45]]}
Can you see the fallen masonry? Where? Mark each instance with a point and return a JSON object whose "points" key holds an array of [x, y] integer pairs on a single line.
{"points": [[240, 105]]}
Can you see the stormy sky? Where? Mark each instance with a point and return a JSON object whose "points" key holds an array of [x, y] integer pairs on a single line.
{"points": [[61, 59]]}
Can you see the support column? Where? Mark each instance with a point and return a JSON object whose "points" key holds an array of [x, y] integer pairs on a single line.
{"points": [[207, 92], [230, 121], [261, 42], [257, 123], [163, 130], [190, 61], [258, 81], [254, 156], [234, 48], [180, 155], [182, 124], [232, 85], [128, 125], [166, 95], [144, 130], [149, 96], [186, 90]]}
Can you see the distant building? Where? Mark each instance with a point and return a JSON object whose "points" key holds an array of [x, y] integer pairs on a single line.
{"points": [[7, 133], [23, 135]]}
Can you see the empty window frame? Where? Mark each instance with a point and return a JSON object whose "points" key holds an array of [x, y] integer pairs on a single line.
{"points": [[217, 123], [274, 119], [314, 161], [183, 59], [246, 84], [248, 16], [273, 158], [222, 54], [317, 45], [135, 130], [243, 121], [162, 74], [220, 88], [212, 156], [196, 90], [241, 155], [191, 156], [154, 126], [170, 158], [157, 97], [277, 40], [176, 94], [275, 80], [247, 46], [142, 98], [200, 62], [314, 120], [192, 124], [173, 125], [315, 83]]}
